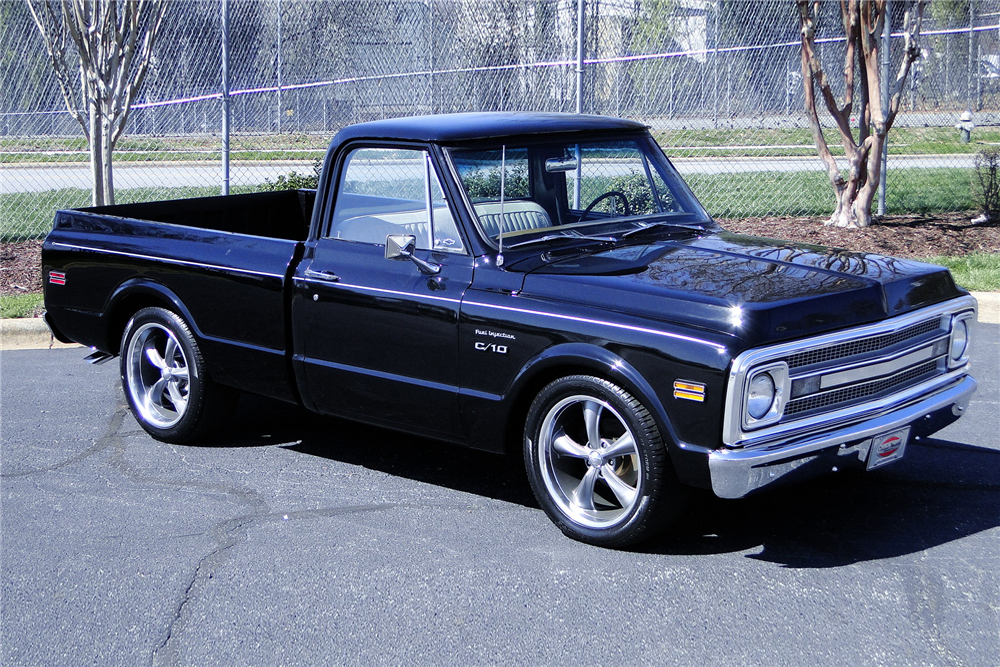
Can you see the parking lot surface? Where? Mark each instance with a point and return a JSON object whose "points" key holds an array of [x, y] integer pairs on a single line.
{"points": [[301, 540]]}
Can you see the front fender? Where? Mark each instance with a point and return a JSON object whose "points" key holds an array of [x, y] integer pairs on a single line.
{"points": [[690, 461]]}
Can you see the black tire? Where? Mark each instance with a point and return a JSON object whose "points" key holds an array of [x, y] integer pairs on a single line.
{"points": [[164, 379], [574, 424]]}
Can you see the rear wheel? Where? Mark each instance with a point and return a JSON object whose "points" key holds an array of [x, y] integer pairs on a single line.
{"points": [[164, 379], [597, 463]]}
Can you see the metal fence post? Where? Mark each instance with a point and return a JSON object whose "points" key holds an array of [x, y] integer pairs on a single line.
{"points": [[279, 68], [225, 97], [579, 55], [715, 70]]}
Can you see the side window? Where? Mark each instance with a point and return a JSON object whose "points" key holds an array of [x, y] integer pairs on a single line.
{"points": [[385, 191]]}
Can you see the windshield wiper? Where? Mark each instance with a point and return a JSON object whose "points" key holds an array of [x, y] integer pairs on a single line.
{"points": [[646, 226], [575, 236]]}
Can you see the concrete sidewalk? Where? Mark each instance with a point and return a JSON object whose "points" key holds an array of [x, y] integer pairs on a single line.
{"points": [[32, 334]]}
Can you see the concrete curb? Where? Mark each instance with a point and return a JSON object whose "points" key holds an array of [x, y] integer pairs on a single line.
{"points": [[989, 307], [29, 333], [32, 334]]}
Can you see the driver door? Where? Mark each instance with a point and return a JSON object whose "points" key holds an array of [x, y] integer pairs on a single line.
{"points": [[377, 338]]}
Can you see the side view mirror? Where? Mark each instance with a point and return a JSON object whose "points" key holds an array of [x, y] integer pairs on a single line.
{"points": [[401, 246]]}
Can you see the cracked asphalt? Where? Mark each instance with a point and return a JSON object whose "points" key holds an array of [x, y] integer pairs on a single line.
{"points": [[301, 540]]}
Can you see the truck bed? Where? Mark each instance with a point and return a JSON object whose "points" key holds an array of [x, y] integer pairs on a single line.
{"points": [[222, 262], [281, 214]]}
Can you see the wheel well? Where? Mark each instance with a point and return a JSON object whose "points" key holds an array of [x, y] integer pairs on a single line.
{"points": [[527, 393], [123, 312]]}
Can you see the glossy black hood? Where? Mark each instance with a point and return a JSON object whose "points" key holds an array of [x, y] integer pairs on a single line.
{"points": [[760, 290]]}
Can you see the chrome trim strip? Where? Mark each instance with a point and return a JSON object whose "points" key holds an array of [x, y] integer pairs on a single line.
{"points": [[379, 290], [168, 260], [737, 472], [875, 370], [732, 417], [613, 325]]}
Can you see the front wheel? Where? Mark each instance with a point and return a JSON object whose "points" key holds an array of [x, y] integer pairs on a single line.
{"points": [[164, 379], [597, 464]]}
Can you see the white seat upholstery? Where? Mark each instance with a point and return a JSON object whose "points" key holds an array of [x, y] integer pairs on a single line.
{"points": [[517, 215], [374, 228]]}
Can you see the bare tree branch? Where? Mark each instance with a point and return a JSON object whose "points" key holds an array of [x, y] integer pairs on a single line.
{"points": [[113, 40], [55, 45]]}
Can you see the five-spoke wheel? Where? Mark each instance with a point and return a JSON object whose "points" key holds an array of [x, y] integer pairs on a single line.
{"points": [[597, 463], [158, 378], [589, 461], [164, 379]]}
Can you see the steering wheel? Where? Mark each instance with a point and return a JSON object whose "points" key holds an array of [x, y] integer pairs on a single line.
{"points": [[609, 193]]}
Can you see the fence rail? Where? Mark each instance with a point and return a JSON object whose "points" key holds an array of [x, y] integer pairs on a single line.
{"points": [[719, 81]]}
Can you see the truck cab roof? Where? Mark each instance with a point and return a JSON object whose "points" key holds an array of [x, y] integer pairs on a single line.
{"points": [[465, 127]]}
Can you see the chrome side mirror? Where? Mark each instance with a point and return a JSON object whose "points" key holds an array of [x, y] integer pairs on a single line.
{"points": [[401, 246]]}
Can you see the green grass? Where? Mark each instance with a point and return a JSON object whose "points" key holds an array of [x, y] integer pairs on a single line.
{"points": [[26, 215], [173, 156], [29, 215], [20, 305], [810, 193], [978, 272]]}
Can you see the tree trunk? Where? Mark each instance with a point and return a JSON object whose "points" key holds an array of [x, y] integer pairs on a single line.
{"points": [[107, 148], [863, 21], [96, 155]]}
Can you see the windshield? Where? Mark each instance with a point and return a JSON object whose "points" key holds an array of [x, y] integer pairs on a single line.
{"points": [[556, 189]]}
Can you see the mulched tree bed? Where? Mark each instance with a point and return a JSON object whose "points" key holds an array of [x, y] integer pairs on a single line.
{"points": [[912, 236], [898, 235]]}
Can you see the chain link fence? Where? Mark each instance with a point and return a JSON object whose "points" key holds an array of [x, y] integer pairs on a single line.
{"points": [[718, 81]]}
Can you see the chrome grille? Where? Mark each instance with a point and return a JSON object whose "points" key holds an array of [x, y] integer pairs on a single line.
{"points": [[863, 346], [845, 375], [861, 391]]}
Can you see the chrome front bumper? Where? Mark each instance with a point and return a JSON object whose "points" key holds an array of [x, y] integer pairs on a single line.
{"points": [[737, 472]]}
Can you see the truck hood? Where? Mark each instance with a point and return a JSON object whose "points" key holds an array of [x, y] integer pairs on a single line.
{"points": [[759, 290]]}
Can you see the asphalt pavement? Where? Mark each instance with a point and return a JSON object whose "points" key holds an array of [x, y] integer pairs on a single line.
{"points": [[300, 540]]}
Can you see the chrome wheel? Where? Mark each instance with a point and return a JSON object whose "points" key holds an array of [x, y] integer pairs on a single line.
{"points": [[157, 375], [165, 379], [589, 461], [597, 463]]}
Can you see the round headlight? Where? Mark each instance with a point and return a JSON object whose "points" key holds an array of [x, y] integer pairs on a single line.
{"points": [[760, 396], [959, 339]]}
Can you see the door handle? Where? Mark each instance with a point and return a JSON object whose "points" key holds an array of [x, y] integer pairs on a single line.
{"points": [[324, 276]]}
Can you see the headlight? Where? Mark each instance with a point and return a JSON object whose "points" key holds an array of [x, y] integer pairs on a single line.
{"points": [[959, 340], [760, 396], [764, 395]]}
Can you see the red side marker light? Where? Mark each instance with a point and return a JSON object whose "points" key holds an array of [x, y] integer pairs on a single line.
{"points": [[57, 278]]}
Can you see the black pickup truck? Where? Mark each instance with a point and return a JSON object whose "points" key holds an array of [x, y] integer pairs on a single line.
{"points": [[535, 283]]}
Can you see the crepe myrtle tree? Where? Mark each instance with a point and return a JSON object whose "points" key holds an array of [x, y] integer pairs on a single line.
{"points": [[863, 22], [113, 41]]}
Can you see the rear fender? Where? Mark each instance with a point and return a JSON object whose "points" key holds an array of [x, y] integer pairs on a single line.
{"points": [[135, 294]]}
